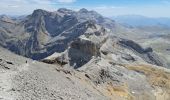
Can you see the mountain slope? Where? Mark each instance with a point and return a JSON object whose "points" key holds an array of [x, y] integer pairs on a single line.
{"points": [[35, 80], [23, 78]]}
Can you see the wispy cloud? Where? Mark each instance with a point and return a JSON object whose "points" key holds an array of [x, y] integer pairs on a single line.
{"points": [[66, 1], [104, 7], [165, 1], [18, 7], [150, 11], [13, 6]]}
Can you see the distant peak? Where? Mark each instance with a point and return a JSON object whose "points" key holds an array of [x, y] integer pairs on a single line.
{"points": [[83, 10], [64, 10], [6, 19], [39, 12], [4, 16]]}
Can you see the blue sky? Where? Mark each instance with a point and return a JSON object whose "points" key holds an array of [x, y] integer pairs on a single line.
{"points": [[150, 8]]}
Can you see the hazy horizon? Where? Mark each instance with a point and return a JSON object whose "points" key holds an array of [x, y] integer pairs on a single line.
{"points": [[148, 8], [114, 16]]}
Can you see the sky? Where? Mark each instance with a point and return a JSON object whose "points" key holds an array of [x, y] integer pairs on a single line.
{"points": [[108, 8]]}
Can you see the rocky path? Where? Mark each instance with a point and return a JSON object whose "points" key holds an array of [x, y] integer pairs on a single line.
{"points": [[6, 79]]}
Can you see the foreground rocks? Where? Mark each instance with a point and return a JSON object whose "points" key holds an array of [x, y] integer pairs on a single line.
{"points": [[35, 80], [99, 79]]}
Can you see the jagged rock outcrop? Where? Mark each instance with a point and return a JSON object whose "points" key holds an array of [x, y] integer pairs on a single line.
{"points": [[83, 49], [116, 50]]}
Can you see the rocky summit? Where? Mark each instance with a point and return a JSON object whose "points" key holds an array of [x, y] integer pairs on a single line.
{"points": [[77, 55]]}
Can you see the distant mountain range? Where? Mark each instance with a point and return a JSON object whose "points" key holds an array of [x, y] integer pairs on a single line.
{"points": [[142, 21], [157, 32]]}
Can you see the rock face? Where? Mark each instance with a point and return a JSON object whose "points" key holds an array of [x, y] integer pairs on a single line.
{"points": [[81, 51], [86, 46]]}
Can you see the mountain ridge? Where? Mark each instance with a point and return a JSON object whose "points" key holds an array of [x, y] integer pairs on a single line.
{"points": [[38, 28], [43, 33]]}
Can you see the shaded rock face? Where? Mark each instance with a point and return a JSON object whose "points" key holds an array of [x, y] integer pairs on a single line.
{"points": [[44, 26], [81, 52], [87, 45]]}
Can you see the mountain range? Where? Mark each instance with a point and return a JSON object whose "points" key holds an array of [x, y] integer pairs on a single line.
{"points": [[35, 34], [142, 21], [101, 58]]}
